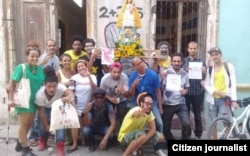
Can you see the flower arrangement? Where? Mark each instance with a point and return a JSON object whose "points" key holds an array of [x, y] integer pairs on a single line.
{"points": [[127, 49]]}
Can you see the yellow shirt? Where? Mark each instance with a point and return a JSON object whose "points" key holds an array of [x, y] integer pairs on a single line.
{"points": [[133, 123], [219, 81], [74, 57], [165, 63]]}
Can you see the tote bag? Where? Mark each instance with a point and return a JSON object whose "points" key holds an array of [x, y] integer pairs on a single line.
{"points": [[63, 116], [22, 91]]}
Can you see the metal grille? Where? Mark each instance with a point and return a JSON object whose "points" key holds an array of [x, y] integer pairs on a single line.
{"points": [[182, 21]]}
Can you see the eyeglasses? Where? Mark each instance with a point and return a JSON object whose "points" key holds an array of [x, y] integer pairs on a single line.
{"points": [[148, 104], [99, 97]]}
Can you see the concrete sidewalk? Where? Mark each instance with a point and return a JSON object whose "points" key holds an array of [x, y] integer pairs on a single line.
{"points": [[12, 135]]}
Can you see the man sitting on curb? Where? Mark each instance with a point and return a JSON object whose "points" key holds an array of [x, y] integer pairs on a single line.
{"points": [[132, 134], [99, 117]]}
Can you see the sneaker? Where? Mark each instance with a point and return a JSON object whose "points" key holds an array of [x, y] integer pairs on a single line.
{"points": [[160, 153], [27, 151], [197, 138], [18, 147], [92, 148], [42, 144]]}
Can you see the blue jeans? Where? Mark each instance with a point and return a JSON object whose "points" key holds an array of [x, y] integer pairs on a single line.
{"points": [[219, 109], [159, 125], [44, 134], [181, 111], [90, 132], [34, 130]]}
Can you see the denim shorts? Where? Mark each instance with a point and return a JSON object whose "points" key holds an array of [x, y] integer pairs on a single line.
{"points": [[219, 108]]}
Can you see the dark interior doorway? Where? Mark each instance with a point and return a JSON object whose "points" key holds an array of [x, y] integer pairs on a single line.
{"points": [[62, 39]]}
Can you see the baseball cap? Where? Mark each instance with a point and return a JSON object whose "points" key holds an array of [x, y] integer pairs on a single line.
{"points": [[99, 91], [215, 49]]}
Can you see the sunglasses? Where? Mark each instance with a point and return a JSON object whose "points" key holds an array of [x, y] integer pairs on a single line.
{"points": [[99, 97]]}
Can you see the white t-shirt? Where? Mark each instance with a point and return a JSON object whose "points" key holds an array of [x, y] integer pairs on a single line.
{"points": [[109, 85], [42, 100], [83, 90]]}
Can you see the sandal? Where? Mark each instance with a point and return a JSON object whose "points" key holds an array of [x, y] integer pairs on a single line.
{"points": [[33, 143]]}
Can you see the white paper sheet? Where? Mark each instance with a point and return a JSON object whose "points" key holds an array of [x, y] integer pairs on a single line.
{"points": [[194, 71], [173, 82]]}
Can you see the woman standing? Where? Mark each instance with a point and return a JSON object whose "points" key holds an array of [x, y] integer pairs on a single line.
{"points": [[84, 84], [65, 73], [35, 74]]}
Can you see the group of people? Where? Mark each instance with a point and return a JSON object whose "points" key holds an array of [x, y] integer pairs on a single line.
{"points": [[136, 109]]}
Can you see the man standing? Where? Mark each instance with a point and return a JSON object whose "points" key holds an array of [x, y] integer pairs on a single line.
{"points": [[164, 62], [220, 84], [76, 52], [195, 95], [143, 79], [94, 58], [176, 86], [99, 117], [49, 56], [132, 134]]}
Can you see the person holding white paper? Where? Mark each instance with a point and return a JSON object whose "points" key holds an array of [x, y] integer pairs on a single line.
{"points": [[196, 69], [174, 100]]}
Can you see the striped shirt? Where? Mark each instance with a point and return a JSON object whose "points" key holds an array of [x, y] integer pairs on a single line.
{"points": [[195, 84]]}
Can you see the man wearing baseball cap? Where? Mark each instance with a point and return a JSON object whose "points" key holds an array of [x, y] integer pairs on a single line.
{"points": [[99, 118], [220, 84]]}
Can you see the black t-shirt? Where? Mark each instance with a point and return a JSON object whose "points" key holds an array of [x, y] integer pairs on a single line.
{"points": [[96, 68]]}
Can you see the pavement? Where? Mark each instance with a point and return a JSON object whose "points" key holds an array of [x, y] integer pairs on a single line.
{"points": [[9, 134], [8, 142]]}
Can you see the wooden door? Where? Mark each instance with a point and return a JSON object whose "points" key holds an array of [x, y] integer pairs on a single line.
{"points": [[33, 22]]}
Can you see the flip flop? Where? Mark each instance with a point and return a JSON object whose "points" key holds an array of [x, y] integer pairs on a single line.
{"points": [[71, 150]]}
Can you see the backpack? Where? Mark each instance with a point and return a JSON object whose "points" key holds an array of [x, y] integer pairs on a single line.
{"points": [[227, 70]]}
